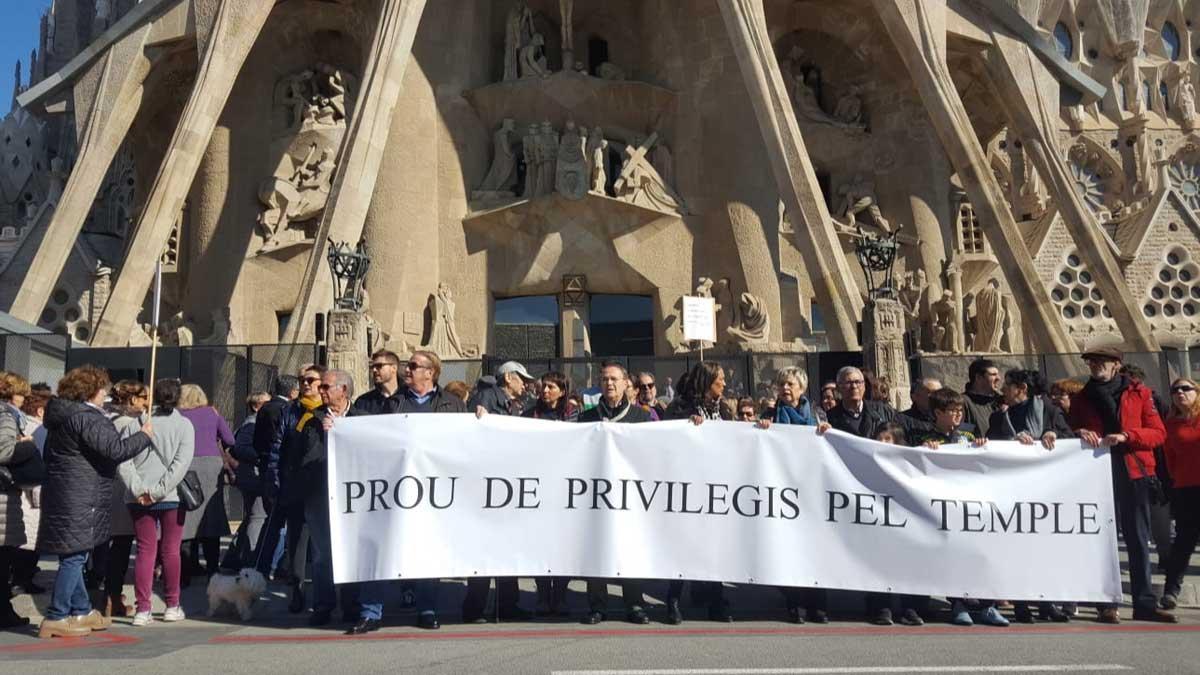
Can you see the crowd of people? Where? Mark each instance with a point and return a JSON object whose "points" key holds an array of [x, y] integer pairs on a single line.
{"points": [[94, 472]]}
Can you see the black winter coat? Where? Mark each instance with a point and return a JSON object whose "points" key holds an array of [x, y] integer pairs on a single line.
{"points": [[82, 452]]}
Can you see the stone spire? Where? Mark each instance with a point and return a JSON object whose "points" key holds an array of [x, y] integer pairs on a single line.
{"points": [[16, 84]]}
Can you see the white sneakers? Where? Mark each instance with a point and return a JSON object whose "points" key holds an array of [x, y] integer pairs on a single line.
{"points": [[146, 618]]}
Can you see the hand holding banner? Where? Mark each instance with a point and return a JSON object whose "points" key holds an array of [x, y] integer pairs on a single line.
{"points": [[423, 496]]}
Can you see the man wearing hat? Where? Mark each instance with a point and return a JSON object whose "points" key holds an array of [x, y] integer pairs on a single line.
{"points": [[1118, 413], [499, 395]]}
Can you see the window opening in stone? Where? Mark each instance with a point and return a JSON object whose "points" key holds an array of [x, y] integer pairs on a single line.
{"points": [[1170, 41], [969, 229], [1063, 40], [1165, 93], [282, 319], [1147, 95], [527, 327], [597, 53], [622, 325]]}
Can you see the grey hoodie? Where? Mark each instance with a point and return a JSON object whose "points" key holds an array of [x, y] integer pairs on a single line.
{"points": [[160, 468]]}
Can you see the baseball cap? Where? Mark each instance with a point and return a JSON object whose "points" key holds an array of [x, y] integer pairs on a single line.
{"points": [[514, 367], [1110, 353]]}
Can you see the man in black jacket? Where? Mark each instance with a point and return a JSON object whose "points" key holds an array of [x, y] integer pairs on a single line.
{"points": [[854, 414], [983, 394], [614, 407], [920, 415], [420, 394], [337, 388], [860, 417], [502, 396], [268, 443]]}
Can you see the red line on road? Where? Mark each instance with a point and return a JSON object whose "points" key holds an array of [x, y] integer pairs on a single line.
{"points": [[701, 632], [95, 640]]}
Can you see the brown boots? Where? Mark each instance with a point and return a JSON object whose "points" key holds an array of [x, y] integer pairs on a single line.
{"points": [[74, 626]]}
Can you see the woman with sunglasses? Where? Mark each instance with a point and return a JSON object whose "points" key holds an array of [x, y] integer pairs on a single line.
{"points": [[1182, 450]]}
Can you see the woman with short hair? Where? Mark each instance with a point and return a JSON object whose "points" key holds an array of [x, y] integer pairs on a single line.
{"points": [[205, 526], [129, 402], [151, 494], [83, 450], [1182, 451], [792, 407]]}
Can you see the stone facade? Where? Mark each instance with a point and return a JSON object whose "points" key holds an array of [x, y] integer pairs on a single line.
{"points": [[491, 149]]}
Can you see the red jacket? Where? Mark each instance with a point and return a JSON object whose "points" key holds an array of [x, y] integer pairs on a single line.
{"points": [[1139, 421], [1183, 451]]}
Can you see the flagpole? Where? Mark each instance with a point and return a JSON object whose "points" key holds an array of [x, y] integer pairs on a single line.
{"points": [[154, 331]]}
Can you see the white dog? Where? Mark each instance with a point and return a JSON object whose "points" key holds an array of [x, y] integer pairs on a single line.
{"points": [[239, 590]]}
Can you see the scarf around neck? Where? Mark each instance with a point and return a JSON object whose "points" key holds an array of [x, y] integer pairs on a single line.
{"points": [[309, 404], [786, 414], [1106, 396]]}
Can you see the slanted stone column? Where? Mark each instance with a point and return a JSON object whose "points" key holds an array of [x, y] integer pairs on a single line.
{"points": [[1029, 94], [361, 153], [918, 28], [223, 44], [815, 236], [103, 116], [883, 348]]}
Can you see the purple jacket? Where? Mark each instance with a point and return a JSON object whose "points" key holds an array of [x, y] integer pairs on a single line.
{"points": [[210, 427]]}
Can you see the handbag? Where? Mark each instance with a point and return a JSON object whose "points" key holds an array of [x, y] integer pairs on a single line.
{"points": [[191, 495]]}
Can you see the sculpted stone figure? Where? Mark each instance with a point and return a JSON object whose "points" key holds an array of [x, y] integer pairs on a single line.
{"points": [[859, 196], [989, 318], [547, 158], [518, 33], [753, 324], [597, 153], [533, 57], [806, 96], [532, 150], [566, 10], [912, 292], [947, 324], [571, 178], [1187, 102], [443, 335], [298, 197], [640, 183], [849, 107], [503, 172]]}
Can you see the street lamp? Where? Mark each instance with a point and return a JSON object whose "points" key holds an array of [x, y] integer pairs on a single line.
{"points": [[878, 255], [349, 269]]}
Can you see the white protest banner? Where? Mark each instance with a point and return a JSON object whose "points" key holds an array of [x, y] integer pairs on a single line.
{"points": [[425, 496], [699, 318]]}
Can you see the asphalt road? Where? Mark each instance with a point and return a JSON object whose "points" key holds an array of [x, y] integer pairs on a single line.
{"points": [[759, 643]]}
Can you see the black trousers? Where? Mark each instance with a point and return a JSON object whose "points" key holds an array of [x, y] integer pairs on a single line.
{"points": [[631, 594], [1133, 509], [808, 598], [117, 565], [1185, 504], [712, 591], [7, 554], [507, 594], [878, 601]]}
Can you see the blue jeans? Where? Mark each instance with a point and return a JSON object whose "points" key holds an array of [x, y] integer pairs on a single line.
{"points": [[69, 596], [370, 597], [316, 515]]}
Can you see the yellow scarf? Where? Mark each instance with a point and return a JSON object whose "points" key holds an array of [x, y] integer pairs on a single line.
{"points": [[309, 404]]}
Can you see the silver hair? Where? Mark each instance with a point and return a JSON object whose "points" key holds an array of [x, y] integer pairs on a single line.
{"points": [[927, 383], [845, 371], [342, 379], [792, 372]]}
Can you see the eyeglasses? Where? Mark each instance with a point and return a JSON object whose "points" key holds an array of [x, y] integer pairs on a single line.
{"points": [[644, 386], [325, 387], [1182, 389], [854, 383], [413, 365], [310, 380], [382, 364]]}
